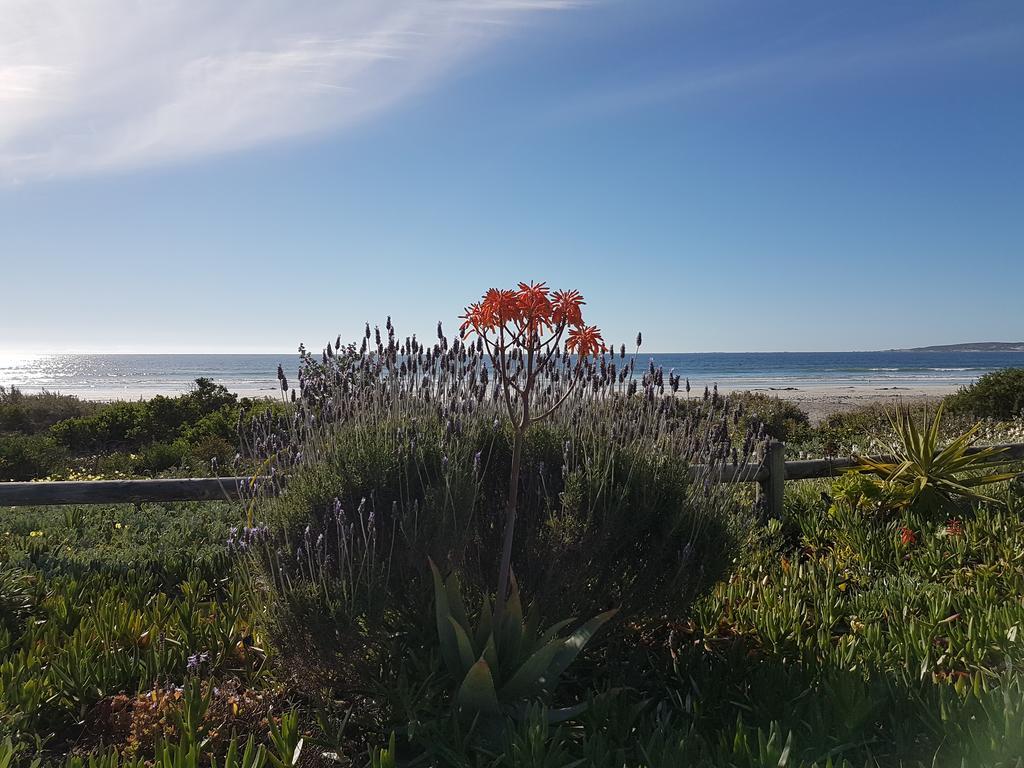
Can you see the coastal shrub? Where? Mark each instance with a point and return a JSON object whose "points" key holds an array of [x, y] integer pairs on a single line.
{"points": [[124, 425], [212, 452], [113, 427], [198, 431], [997, 395], [33, 413], [599, 525], [221, 424], [861, 427], [157, 457], [27, 457], [782, 419]]}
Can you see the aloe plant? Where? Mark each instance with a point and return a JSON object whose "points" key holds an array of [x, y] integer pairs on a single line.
{"points": [[926, 477], [506, 661]]}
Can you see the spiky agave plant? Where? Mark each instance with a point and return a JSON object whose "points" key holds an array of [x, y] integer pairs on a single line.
{"points": [[926, 477], [506, 662]]}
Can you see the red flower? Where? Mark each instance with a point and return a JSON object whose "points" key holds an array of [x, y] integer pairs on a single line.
{"points": [[500, 307], [534, 307], [907, 536], [954, 527], [472, 320], [529, 309], [585, 341], [566, 308]]}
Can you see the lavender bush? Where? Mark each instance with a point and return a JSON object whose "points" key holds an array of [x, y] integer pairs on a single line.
{"points": [[396, 451]]}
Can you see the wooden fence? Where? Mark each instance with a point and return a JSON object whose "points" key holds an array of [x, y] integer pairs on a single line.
{"points": [[771, 475]]}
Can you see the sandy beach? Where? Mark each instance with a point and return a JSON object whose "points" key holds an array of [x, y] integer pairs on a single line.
{"points": [[822, 401]]}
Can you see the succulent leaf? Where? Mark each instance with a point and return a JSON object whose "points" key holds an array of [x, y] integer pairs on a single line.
{"points": [[575, 643], [477, 694]]}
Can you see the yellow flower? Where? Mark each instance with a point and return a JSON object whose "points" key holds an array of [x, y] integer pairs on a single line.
{"points": [[117, 525], [35, 534]]}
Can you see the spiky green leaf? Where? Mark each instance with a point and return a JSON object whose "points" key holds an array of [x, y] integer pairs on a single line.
{"points": [[477, 694]]}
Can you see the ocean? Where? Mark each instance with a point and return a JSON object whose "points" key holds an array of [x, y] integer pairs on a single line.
{"points": [[129, 377]]}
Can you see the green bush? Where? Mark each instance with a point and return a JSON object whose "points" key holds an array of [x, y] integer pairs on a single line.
{"points": [[28, 457], [839, 432], [211, 451], [782, 419], [126, 425], [997, 395], [115, 426], [156, 457], [30, 414], [600, 525]]}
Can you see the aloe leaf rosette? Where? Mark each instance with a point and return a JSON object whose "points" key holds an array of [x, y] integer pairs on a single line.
{"points": [[506, 662], [927, 475]]}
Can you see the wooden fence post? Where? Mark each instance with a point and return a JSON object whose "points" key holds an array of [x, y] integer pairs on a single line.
{"points": [[773, 488]]}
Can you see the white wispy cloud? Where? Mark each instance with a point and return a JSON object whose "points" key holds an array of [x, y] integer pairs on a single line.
{"points": [[802, 61], [93, 85]]}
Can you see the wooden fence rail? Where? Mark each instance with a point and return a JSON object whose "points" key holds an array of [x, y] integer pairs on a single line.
{"points": [[771, 475], [121, 491]]}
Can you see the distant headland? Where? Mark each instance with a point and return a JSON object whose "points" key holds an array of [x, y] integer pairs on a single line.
{"points": [[981, 346]]}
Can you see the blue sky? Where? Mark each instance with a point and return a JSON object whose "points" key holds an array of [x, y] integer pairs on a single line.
{"points": [[723, 176]]}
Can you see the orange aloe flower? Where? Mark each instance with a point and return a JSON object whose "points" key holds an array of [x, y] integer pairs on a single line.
{"points": [[566, 308], [501, 306], [585, 341], [473, 319], [534, 307]]}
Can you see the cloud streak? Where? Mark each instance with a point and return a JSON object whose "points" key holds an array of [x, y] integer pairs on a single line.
{"points": [[96, 85], [800, 63]]}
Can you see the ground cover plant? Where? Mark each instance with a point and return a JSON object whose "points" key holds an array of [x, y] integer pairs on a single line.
{"points": [[838, 637]]}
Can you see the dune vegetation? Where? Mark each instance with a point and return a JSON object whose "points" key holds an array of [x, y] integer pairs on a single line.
{"points": [[508, 548]]}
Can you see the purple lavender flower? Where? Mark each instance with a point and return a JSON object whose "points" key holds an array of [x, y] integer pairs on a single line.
{"points": [[195, 661]]}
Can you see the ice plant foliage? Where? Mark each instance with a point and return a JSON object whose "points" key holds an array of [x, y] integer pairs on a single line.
{"points": [[522, 332]]}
